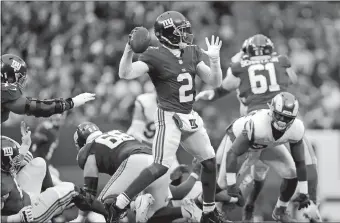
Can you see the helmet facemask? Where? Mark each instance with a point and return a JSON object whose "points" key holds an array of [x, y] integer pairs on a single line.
{"points": [[180, 37], [280, 121]]}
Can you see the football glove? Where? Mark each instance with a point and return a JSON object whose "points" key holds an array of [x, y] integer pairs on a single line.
{"points": [[205, 95], [179, 171], [82, 99], [26, 214], [235, 191], [214, 47], [302, 200]]}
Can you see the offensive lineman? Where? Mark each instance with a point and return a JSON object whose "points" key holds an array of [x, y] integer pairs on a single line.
{"points": [[258, 74], [122, 157], [172, 67], [13, 80], [263, 134]]}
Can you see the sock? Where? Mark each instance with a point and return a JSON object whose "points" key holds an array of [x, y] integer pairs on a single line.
{"points": [[145, 178], [166, 215], [122, 201], [208, 179], [47, 182], [287, 189], [255, 191], [208, 207]]}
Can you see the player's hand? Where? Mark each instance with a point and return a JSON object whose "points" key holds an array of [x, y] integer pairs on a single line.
{"points": [[205, 95], [128, 46], [237, 57], [196, 166], [235, 191], [302, 200], [82, 99], [26, 214], [213, 47], [179, 171], [25, 138]]}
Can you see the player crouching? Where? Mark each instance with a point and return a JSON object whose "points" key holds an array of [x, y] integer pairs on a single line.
{"points": [[18, 205], [266, 131], [123, 158]]}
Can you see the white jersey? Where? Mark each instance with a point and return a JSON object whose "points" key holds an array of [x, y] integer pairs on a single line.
{"points": [[142, 126], [257, 125]]}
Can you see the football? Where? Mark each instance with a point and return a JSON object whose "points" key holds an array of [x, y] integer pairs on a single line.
{"points": [[140, 40]]}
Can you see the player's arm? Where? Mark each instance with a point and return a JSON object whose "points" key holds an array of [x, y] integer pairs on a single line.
{"points": [[46, 108], [129, 69], [211, 75], [240, 146], [298, 154], [292, 75], [91, 174], [24, 215]]}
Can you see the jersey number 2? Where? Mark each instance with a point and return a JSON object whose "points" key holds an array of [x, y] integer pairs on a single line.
{"points": [[258, 82], [184, 88]]}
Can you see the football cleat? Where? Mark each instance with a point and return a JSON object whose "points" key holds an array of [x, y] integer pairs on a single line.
{"points": [[142, 206], [214, 217], [280, 214], [189, 206], [248, 213]]}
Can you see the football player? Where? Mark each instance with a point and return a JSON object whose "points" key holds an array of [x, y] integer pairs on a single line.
{"points": [[258, 75], [13, 79], [172, 67], [143, 125], [29, 205], [122, 157], [45, 141], [263, 134]]}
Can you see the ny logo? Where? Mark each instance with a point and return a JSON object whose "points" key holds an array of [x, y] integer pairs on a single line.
{"points": [[193, 123], [168, 23], [15, 65], [8, 151]]}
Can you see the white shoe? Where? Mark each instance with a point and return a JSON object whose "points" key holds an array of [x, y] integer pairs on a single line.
{"points": [[142, 205], [189, 206]]}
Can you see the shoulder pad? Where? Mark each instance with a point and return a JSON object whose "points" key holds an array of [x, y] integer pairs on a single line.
{"points": [[284, 61], [249, 130], [297, 130], [83, 153], [236, 68], [9, 92]]}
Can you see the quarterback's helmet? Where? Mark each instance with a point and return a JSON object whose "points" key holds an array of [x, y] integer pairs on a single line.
{"points": [[10, 155], [284, 109], [173, 30], [82, 133], [13, 70], [259, 45]]}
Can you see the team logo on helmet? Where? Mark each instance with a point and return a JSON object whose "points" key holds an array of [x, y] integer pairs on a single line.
{"points": [[168, 23], [8, 151], [16, 65]]}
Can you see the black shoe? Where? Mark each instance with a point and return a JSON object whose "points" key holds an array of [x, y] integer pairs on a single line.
{"points": [[214, 217], [114, 213], [248, 213]]}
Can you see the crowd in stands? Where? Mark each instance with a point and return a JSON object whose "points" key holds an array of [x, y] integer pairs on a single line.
{"points": [[75, 47]]}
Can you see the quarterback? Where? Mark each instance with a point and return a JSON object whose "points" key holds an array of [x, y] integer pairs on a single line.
{"points": [[172, 67], [263, 134], [258, 73], [13, 80]]}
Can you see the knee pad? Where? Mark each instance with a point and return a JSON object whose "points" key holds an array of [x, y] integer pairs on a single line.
{"points": [[209, 164], [288, 172], [65, 188], [39, 163], [259, 172]]}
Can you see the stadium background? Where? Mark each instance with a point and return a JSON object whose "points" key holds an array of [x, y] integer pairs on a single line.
{"points": [[75, 47]]}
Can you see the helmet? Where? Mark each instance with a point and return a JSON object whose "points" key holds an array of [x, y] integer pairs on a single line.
{"points": [[284, 109], [13, 70], [244, 45], [10, 155], [259, 45], [82, 133], [173, 30]]}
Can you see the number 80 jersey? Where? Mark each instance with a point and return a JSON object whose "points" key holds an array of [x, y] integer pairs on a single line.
{"points": [[173, 77], [261, 80]]}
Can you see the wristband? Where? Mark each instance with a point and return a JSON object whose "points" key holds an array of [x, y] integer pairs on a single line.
{"points": [[194, 175], [231, 178], [303, 187]]}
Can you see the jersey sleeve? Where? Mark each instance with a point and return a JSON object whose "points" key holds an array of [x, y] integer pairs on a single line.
{"points": [[284, 61], [297, 131], [148, 57], [9, 92], [83, 154], [236, 69]]}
